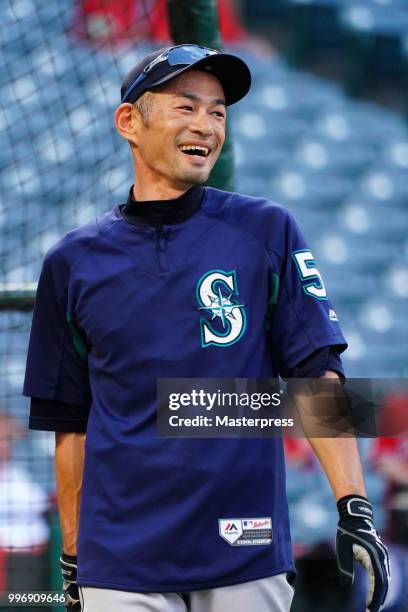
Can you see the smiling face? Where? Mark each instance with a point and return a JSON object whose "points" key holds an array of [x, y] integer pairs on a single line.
{"points": [[180, 141]]}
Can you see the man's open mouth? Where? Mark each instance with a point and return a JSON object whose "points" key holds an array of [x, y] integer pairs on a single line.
{"points": [[194, 150]]}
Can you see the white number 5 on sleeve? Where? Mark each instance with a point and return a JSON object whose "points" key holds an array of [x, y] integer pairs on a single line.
{"points": [[306, 266]]}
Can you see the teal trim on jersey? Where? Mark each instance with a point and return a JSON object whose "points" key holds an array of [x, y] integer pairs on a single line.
{"points": [[204, 322], [79, 344], [273, 300], [310, 264]]}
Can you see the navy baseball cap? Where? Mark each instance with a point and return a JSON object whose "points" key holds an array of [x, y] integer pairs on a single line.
{"points": [[165, 64]]}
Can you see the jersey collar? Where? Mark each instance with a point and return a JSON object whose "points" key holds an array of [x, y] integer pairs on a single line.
{"points": [[156, 213]]}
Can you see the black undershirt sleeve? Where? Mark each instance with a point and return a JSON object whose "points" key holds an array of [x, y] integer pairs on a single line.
{"points": [[53, 415]]}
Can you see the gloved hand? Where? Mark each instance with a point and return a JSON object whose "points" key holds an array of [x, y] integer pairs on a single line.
{"points": [[357, 539], [69, 576]]}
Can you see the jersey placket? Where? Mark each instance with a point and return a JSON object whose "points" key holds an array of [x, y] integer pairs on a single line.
{"points": [[162, 238]]}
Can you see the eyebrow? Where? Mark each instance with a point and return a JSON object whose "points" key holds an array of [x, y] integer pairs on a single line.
{"points": [[191, 96]]}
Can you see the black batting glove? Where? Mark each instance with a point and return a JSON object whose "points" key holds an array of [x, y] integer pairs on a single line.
{"points": [[358, 540], [69, 567]]}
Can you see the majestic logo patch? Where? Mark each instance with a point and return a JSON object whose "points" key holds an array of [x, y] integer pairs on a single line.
{"points": [[216, 294], [231, 527], [332, 315], [246, 532]]}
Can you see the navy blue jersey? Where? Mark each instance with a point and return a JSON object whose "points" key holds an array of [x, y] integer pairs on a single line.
{"points": [[233, 291]]}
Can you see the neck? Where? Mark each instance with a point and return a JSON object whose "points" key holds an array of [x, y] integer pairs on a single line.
{"points": [[156, 187], [156, 192]]}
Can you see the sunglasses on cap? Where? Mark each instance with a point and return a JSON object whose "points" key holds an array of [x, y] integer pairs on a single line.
{"points": [[180, 55]]}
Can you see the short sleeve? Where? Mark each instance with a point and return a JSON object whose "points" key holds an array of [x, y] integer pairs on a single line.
{"points": [[304, 320], [57, 365], [318, 363]]}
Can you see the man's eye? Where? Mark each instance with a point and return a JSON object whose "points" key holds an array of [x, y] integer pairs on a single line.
{"points": [[186, 107], [219, 114]]}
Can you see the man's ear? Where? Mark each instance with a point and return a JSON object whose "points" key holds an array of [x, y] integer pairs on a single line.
{"points": [[128, 122]]}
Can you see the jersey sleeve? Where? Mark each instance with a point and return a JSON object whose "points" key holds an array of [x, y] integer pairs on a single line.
{"points": [[304, 319], [57, 367], [317, 363]]}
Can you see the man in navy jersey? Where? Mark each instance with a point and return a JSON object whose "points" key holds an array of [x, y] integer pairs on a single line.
{"points": [[129, 299]]}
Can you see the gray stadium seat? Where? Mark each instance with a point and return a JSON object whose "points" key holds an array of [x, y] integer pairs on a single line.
{"points": [[360, 122], [317, 153], [368, 218], [312, 190], [386, 186], [374, 18]]}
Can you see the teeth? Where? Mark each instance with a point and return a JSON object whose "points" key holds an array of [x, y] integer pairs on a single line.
{"points": [[194, 148]]}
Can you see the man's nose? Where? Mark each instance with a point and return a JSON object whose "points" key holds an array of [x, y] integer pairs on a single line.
{"points": [[201, 122]]}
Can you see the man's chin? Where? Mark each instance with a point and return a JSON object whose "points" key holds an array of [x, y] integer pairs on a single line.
{"points": [[195, 177]]}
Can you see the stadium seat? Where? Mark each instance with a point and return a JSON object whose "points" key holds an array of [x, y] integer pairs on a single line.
{"points": [[360, 122], [369, 255], [314, 515], [375, 44], [317, 153], [254, 127], [367, 217], [394, 153], [263, 69], [265, 9], [315, 29], [254, 186], [375, 18], [386, 185], [313, 223], [346, 287], [313, 190], [381, 363], [261, 160]]}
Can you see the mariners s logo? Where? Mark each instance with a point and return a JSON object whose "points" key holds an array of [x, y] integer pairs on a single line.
{"points": [[217, 298]]}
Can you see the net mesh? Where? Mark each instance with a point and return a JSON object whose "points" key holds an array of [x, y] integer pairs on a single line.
{"points": [[61, 160], [61, 164]]}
